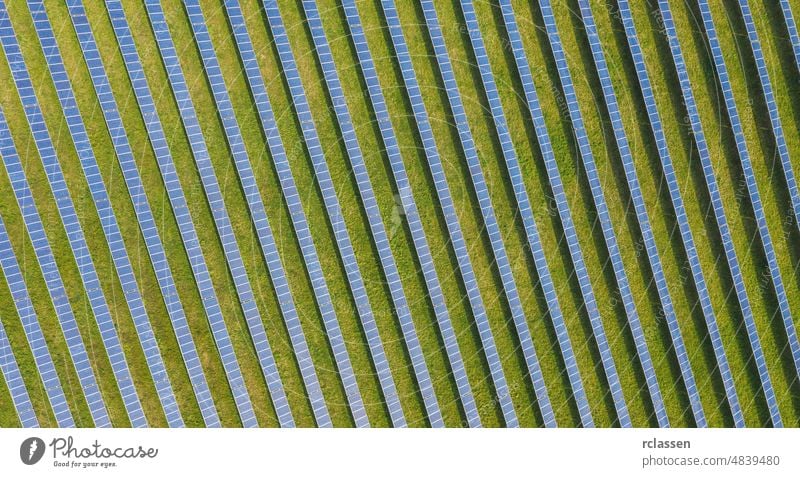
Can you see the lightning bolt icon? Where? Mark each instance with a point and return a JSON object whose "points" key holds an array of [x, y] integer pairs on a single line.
{"points": [[34, 446]]}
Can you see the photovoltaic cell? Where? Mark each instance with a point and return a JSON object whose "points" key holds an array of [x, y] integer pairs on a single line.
{"points": [[67, 210], [33, 331], [180, 210], [147, 223], [411, 213], [222, 221], [52, 277], [680, 211], [267, 241], [786, 162], [448, 210], [15, 384], [644, 224], [102, 202], [523, 203], [377, 228], [487, 211], [300, 223], [761, 221]]}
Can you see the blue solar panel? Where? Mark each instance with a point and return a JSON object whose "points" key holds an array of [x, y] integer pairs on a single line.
{"points": [[448, 209], [379, 235], [67, 210], [302, 231], [644, 223], [144, 214], [52, 277], [716, 203], [794, 37], [222, 221], [680, 211], [33, 331], [523, 202], [113, 234], [15, 384], [761, 221], [191, 242], [269, 248], [783, 152], [604, 217], [411, 212]]}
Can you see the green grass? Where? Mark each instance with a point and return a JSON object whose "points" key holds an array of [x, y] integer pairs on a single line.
{"points": [[754, 116]]}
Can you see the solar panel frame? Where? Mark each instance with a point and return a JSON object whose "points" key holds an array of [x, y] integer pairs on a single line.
{"points": [[411, 213], [270, 249], [713, 190], [446, 202], [102, 203], [144, 215], [33, 331], [700, 285], [786, 163], [643, 220], [15, 383], [69, 218], [52, 277], [378, 231], [186, 227]]}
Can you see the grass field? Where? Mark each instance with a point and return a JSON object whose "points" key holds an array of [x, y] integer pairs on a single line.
{"points": [[753, 111]]}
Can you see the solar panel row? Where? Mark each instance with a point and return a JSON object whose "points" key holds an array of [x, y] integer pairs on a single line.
{"points": [[448, 210], [268, 246], [411, 212], [524, 206], [487, 211], [643, 219], [222, 222], [794, 37], [689, 246], [177, 198], [713, 191], [15, 384], [33, 331], [52, 277], [783, 152], [69, 217], [146, 220], [584, 148], [102, 203], [761, 221], [377, 228], [300, 223]]}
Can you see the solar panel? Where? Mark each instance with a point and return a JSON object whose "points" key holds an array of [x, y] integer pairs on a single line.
{"points": [[67, 210], [791, 27], [448, 210], [222, 222], [52, 277], [269, 248], [33, 331], [191, 241], [523, 203], [368, 200], [300, 224], [761, 221], [487, 211], [716, 203], [15, 384], [783, 152], [102, 201], [411, 213], [644, 223], [701, 287], [147, 223]]}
